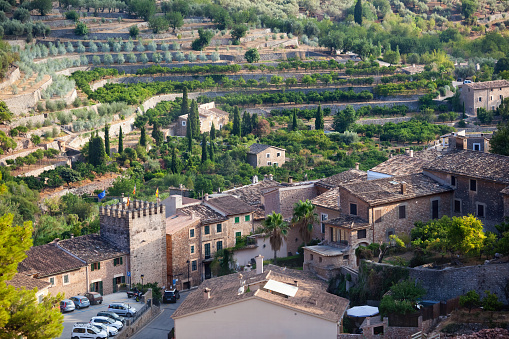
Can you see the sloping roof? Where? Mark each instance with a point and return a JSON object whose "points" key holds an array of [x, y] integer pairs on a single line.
{"points": [[205, 213], [328, 199], [230, 205], [310, 297], [91, 248], [386, 190], [21, 280], [342, 178], [348, 221], [473, 164], [400, 165], [505, 191], [178, 222], [488, 84], [257, 148], [47, 260]]}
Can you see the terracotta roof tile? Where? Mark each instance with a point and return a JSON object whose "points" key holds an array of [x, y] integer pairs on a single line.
{"points": [[348, 221], [257, 148], [401, 165], [230, 205], [342, 178], [329, 199], [21, 280], [91, 248], [252, 195], [488, 84], [205, 213], [47, 260]]}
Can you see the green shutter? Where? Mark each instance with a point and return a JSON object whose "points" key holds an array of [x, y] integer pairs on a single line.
{"points": [[92, 267], [100, 287], [114, 286], [120, 260], [123, 280], [114, 262], [98, 265], [92, 287]]}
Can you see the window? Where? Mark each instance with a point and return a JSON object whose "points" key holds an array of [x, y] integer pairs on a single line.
{"points": [[247, 217], [453, 180], [402, 212], [269, 163], [210, 123], [434, 209], [267, 155], [480, 99], [192, 249], [219, 245], [191, 233], [117, 261], [324, 217], [457, 206], [207, 229], [501, 97], [237, 220], [238, 234], [378, 215], [473, 185], [491, 97], [492, 108], [319, 259], [207, 250], [52, 281], [477, 147], [194, 266], [66, 279], [481, 210], [275, 164], [278, 154], [311, 257], [353, 209], [219, 228], [361, 234], [95, 266], [183, 122]]}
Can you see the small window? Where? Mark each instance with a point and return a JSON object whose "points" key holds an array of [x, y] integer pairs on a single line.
{"points": [[194, 265], [457, 206], [117, 261], [361, 234], [353, 209], [480, 210], [501, 97], [378, 215], [183, 122], [40, 298], [453, 180], [247, 218], [324, 217], [52, 281], [191, 233], [477, 147], [491, 97], [207, 229], [192, 249], [434, 209], [219, 228], [473, 185], [319, 259], [237, 220], [219, 245], [480, 99], [210, 123], [402, 212], [269, 163], [275, 164], [267, 155], [66, 279], [278, 154], [95, 266], [311, 257], [492, 108], [238, 234]]}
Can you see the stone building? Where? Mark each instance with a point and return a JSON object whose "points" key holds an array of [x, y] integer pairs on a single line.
{"points": [[462, 141], [208, 114], [260, 155], [20, 281], [488, 95]]}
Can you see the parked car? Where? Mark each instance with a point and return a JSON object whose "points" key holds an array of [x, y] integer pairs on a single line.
{"points": [[80, 301], [171, 296], [111, 315], [107, 321], [467, 81], [112, 331], [67, 305], [122, 309], [86, 330], [95, 298]]}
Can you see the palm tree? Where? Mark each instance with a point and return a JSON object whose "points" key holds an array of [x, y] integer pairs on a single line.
{"points": [[303, 217], [276, 229]]}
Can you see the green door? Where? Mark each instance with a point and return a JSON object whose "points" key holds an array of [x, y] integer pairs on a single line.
{"points": [[92, 287], [114, 286]]}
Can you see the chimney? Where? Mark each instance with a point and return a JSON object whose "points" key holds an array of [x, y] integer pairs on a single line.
{"points": [[296, 282], [265, 177], [357, 165], [411, 153], [259, 264], [206, 293], [72, 236], [206, 197], [403, 187], [290, 180], [175, 203], [193, 215], [271, 177]]}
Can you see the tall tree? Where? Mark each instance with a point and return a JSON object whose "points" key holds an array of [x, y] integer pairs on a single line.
{"points": [[254, 121], [357, 12], [303, 217], [157, 135], [120, 141], [189, 135], [276, 229], [194, 118], [173, 167], [5, 113], [203, 148], [107, 139], [246, 123], [184, 107], [236, 122], [500, 141], [143, 137], [294, 120], [211, 151], [319, 123], [96, 153], [213, 132], [344, 119]]}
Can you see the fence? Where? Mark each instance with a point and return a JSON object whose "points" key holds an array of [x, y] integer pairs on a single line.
{"points": [[140, 312], [430, 312]]}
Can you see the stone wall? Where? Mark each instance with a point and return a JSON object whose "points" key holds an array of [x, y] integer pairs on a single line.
{"points": [[384, 120], [3, 160], [143, 320], [37, 172], [77, 283], [20, 104], [10, 78], [34, 119]]}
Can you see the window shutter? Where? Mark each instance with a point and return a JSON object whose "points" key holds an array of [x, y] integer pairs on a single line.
{"points": [[100, 287], [92, 267], [92, 287], [123, 280], [120, 260], [114, 262], [98, 265], [114, 286]]}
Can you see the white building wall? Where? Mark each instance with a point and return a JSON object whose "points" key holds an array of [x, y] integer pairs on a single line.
{"points": [[254, 319], [244, 256]]}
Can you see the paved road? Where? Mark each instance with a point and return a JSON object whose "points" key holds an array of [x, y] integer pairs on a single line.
{"points": [[162, 324]]}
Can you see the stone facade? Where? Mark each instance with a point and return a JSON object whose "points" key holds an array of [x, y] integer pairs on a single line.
{"points": [[77, 283], [208, 114], [140, 230], [268, 157], [488, 95], [107, 277]]}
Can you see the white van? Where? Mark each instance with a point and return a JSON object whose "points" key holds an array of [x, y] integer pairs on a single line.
{"points": [[86, 330]]}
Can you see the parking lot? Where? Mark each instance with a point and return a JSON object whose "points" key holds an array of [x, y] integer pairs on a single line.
{"points": [[84, 314]]}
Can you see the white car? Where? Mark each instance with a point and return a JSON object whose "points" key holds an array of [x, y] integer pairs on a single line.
{"points": [[107, 321], [86, 330], [112, 331]]}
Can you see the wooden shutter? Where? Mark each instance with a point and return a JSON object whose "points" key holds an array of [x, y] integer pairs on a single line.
{"points": [[123, 280], [92, 267], [92, 287], [114, 286], [98, 265], [121, 260], [100, 287]]}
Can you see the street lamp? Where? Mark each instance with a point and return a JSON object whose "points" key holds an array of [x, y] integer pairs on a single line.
{"points": [[142, 276]]}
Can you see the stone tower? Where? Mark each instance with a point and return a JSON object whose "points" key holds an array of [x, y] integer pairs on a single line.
{"points": [[139, 229]]}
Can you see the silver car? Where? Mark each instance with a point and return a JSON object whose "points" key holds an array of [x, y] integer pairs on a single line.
{"points": [[80, 301], [67, 305]]}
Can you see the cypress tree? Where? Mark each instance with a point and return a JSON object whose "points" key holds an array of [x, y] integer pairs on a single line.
{"points": [[357, 12], [203, 148], [246, 123], [184, 108], [173, 161], [213, 132], [294, 120], [254, 121], [236, 122], [211, 151], [107, 139], [143, 137], [189, 136], [120, 141], [319, 123], [194, 119], [96, 153]]}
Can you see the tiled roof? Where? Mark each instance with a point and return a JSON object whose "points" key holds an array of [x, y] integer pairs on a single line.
{"points": [[47, 260], [430, 154], [386, 190], [400, 165], [257, 148], [178, 222], [252, 195], [505, 191], [230, 205], [91, 248], [473, 164], [205, 213], [349, 221], [328, 199], [488, 84], [310, 298], [342, 178], [21, 280]]}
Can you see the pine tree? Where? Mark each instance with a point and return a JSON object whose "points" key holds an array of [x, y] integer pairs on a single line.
{"points": [[236, 122], [203, 148], [143, 137], [294, 120], [213, 132], [189, 136], [120, 141], [319, 123], [211, 151], [107, 139], [357, 12], [184, 107]]}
